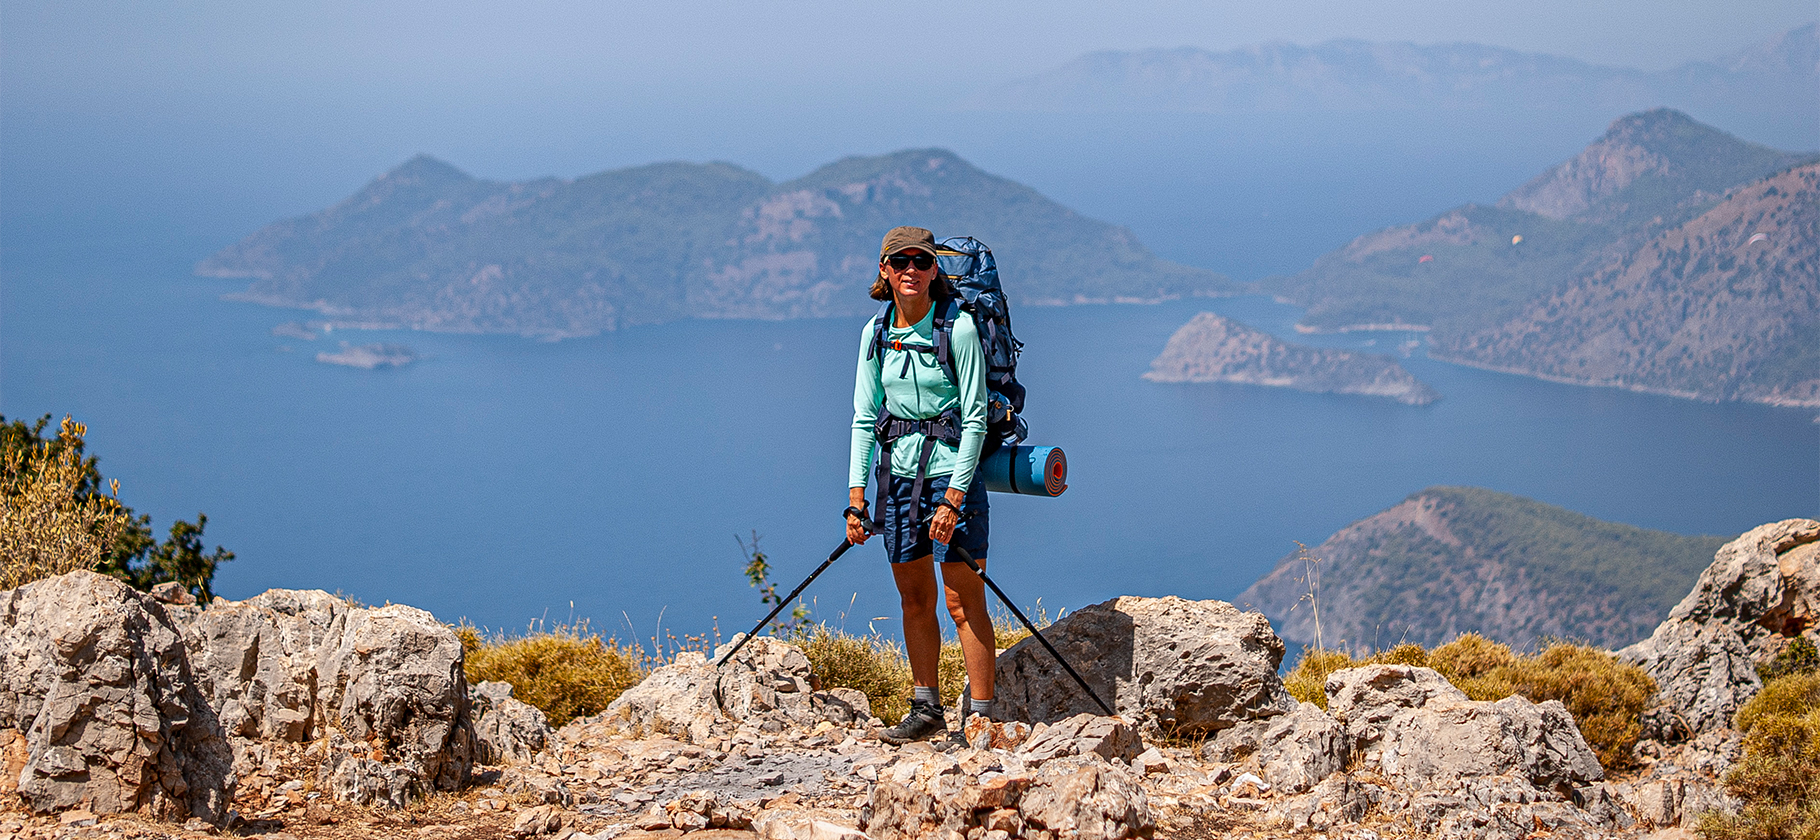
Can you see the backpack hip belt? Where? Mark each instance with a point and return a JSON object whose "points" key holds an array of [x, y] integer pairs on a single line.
{"points": [[944, 427]]}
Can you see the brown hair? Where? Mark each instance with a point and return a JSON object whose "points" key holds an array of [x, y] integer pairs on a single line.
{"points": [[881, 288]]}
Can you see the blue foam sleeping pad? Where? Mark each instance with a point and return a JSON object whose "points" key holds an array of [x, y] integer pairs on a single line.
{"points": [[1025, 470]]}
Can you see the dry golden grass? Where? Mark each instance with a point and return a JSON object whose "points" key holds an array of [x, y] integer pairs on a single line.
{"points": [[45, 528], [1605, 696], [1779, 776], [1307, 682], [878, 667], [874, 666], [568, 672]]}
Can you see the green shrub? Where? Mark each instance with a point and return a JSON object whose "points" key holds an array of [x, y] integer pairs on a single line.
{"points": [[1779, 777], [568, 672], [1605, 696], [1800, 657]]}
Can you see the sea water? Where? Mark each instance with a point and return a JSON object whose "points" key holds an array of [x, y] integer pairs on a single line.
{"points": [[508, 481]]}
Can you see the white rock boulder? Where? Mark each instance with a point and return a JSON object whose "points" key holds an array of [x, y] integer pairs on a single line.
{"points": [[1169, 664]]}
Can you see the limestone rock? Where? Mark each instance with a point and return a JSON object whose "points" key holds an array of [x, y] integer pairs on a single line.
{"points": [[1415, 729], [1079, 796], [1087, 799], [1703, 675], [1084, 734], [95, 678], [505, 729], [1761, 591], [256, 660], [1167, 663], [295, 665], [532, 822], [769, 682], [1764, 585], [1293, 752]]}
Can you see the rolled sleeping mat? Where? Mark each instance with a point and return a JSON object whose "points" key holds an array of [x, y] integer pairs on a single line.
{"points": [[1026, 470]]}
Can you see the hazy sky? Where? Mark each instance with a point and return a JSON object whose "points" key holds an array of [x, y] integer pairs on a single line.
{"points": [[147, 97], [480, 52]]}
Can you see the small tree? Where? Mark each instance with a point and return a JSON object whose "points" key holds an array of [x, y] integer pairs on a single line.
{"points": [[53, 517], [54, 497], [758, 572]]}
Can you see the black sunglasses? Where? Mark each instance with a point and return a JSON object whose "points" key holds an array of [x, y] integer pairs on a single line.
{"points": [[923, 262]]}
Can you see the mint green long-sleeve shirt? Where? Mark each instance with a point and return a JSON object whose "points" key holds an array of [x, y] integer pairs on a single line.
{"points": [[922, 392]]}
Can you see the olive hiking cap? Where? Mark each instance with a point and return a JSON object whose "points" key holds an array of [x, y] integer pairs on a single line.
{"points": [[904, 238]]}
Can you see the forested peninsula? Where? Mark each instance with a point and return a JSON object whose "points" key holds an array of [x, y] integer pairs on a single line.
{"points": [[430, 247]]}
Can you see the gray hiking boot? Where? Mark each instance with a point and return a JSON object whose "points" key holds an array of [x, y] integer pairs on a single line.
{"points": [[924, 721]]}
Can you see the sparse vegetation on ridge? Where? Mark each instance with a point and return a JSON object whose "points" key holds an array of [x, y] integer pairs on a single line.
{"points": [[1779, 777], [567, 671], [1605, 696]]}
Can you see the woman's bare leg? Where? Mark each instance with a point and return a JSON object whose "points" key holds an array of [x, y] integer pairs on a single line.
{"points": [[966, 595], [917, 589]]}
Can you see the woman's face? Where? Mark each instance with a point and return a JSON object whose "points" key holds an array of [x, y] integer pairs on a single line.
{"points": [[906, 279]]}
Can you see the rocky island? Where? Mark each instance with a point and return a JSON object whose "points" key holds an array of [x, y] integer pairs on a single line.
{"points": [[1210, 348], [369, 356]]}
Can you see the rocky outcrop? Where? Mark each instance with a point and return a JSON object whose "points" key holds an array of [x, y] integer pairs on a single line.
{"points": [[1076, 798], [768, 682], [384, 685], [1168, 664], [1415, 728], [506, 730], [94, 677], [1291, 752], [1210, 348], [126, 703], [1761, 591]]}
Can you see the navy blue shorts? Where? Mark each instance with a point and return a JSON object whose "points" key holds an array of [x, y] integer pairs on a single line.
{"points": [[907, 537]]}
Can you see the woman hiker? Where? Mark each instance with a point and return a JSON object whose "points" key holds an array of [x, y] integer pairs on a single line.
{"points": [[929, 429]]}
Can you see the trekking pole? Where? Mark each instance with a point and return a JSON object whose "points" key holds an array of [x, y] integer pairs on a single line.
{"points": [[844, 545], [968, 559]]}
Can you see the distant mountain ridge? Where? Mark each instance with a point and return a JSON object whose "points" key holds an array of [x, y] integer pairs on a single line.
{"points": [[1451, 560], [430, 247], [1480, 276], [1353, 75]]}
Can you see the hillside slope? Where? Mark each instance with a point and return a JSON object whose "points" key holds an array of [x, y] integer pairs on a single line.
{"points": [[1449, 560], [1723, 307], [1649, 172], [1656, 181], [430, 247]]}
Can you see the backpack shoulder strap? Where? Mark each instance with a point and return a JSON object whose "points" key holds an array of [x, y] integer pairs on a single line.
{"points": [[944, 338], [880, 323]]}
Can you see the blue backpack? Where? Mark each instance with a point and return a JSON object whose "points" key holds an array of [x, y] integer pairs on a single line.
{"points": [[971, 277]]}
